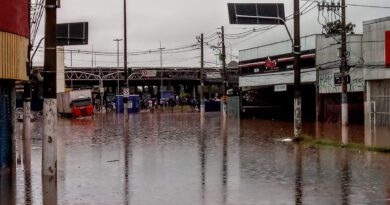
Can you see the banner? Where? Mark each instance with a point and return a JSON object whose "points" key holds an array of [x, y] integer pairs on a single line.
{"points": [[14, 17]]}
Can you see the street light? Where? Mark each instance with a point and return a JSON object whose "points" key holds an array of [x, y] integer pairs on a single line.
{"points": [[117, 53]]}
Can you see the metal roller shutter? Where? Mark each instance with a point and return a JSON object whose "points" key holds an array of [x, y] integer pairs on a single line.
{"points": [[5, 125]]}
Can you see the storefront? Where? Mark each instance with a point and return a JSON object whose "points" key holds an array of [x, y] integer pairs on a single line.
{"points": [[267, 78], [14, 34]]}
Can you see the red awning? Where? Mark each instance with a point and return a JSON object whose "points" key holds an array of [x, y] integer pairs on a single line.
{"points": [[14, 17]]}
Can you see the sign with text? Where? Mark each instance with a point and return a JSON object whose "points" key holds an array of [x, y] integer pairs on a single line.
{"points": [[252, 13], [338, 78], [149, 73], [213, 75], [280, 88]]}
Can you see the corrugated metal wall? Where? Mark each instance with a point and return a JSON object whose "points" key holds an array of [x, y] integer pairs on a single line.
{"points": [[5, 125], [13, 56]]}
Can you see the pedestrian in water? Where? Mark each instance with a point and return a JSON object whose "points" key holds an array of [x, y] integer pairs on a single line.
{"points": [[171, 103]]}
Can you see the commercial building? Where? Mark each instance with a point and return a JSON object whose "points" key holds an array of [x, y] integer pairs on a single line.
{"points": [[376, 75], [14, 40], [267, 77]]}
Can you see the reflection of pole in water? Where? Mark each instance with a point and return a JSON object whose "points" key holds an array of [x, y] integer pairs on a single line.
{"points": [[126, 144], [8, 189], [27, 168], [298, 173], [344, 134], [345, 177], [224, 158], [202, 153], [49, 190]]}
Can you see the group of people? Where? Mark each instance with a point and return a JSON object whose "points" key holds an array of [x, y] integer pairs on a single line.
{"points": [[152, 103]]}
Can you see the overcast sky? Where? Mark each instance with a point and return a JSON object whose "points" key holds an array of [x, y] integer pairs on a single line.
{"points": [[176, 23]]}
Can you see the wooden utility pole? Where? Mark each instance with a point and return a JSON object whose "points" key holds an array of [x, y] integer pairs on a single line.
{"points": [[125, 97], [27, 107], [202, 104], [224, 86], [49, 143], [343, 67], [344, 72], [297, 71], [125, 43]]}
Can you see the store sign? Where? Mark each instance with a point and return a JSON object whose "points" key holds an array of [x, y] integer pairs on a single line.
{"points": [[270, 64], [149, 73], [213, 75], [338, 78], [280, 88]]}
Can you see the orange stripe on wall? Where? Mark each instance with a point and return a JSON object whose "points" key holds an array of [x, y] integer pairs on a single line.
{"points": [[13, 56]]}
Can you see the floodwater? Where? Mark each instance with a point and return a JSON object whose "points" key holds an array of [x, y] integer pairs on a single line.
{"points": [[159, 159]]}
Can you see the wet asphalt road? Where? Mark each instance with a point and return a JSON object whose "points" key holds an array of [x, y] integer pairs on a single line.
{"points": [[159, 159]]}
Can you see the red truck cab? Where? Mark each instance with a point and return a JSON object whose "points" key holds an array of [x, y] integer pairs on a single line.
{"points": [[82, 107]]}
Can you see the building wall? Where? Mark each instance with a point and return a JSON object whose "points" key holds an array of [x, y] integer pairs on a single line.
{"points": [[374, 41], [14, 33], [60, 69], [13, 56], [328, 63], [273, 49], [328, 55]]}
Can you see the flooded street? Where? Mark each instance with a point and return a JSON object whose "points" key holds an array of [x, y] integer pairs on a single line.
{"points": [[179, 159]]}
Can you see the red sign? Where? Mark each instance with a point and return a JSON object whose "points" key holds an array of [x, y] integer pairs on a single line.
{"points": [[14, 17], [387, 49], [270, 64]]}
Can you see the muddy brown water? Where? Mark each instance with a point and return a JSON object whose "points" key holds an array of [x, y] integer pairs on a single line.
{"points": [[179, 159]]}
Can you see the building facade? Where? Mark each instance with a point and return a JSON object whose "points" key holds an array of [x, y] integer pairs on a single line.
{"points": [[266, 80], [376, 75], [14, 40]]}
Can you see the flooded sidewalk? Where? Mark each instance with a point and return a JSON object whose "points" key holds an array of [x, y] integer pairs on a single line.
{"points": [[177, 158]]}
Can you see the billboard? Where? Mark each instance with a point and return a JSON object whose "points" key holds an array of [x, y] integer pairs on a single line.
{"points": [[14, 17], [251, 13], [72, 34]]}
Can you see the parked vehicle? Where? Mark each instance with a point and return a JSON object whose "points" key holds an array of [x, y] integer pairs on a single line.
{"points": [[76, 103]]}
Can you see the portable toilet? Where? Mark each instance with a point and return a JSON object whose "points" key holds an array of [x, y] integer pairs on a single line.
{"points": [[119, 103], [134, 101]]}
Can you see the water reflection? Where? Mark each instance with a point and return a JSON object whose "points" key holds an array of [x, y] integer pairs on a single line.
{"points": [[345, 178], [298, 173], [176, 158], [7, 189], [49, 190]]}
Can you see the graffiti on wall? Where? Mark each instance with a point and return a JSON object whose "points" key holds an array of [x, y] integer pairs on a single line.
{"points": [[327, 85]]}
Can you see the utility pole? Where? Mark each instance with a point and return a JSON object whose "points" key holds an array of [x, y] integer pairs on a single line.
{"points": [[125, 43], [71, 68], [117, 61], [344, 66], [297, 71], [344, 72], [92, 57], [49, 142], [27, 107], [161, 72], [202, 104], [224, 76], [125, 97]]}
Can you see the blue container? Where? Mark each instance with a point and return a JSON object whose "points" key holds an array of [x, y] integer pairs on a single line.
{"points": [[212, 106], [5, 128], [134, 101]]}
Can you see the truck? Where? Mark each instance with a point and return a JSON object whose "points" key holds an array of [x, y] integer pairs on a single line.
{"points": [[75, 103]]}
